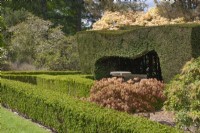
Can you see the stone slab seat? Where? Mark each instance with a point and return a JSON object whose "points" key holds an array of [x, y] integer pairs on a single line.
{"points": [[127, 75]]}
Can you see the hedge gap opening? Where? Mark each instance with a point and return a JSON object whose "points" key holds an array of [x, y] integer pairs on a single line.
{"points": [[148, 64]]}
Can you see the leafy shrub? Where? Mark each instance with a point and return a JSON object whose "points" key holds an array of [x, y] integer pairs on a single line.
{"points": [[146, 95], [67, 114], [183, 95]]}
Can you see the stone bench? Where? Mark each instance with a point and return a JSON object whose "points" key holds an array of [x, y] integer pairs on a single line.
{"points": [[127, 75]]}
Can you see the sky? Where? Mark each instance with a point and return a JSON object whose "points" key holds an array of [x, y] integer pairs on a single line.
{"points": [[150, 3]]}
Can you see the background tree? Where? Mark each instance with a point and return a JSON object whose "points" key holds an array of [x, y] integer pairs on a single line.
{"points": [[35, 44], [94, 9], [3, 51], [2, 27], [39, 42], [187, 4], [116, 5], [67, 13], [187, 9]]}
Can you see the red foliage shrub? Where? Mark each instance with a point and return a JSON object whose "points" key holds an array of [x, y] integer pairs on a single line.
{"points": [[143, 96]]}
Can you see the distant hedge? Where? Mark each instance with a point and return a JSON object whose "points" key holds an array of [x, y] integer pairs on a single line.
{"points": [[65, 114], [174, 45], [41, 72]]}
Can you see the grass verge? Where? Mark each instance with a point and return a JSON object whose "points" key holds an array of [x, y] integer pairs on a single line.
{"points": [[11, 123]]}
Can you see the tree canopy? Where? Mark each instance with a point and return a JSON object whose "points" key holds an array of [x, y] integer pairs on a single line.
{"points": [[61, 12], [2, 27]]}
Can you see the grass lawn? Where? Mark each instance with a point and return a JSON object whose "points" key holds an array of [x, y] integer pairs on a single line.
{"points": [[11, 123]]}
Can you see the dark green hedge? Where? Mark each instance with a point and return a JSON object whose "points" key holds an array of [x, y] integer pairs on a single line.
{"points": [[104, 66], [174, 45], [69, 115], [31, 79], [74, 85]]}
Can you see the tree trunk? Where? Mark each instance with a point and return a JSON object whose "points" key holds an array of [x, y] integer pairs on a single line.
{"points": [[79, 14], [44, 8]]}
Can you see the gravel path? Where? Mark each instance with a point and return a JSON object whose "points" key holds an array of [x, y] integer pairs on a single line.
{"points": [[163, 117]]}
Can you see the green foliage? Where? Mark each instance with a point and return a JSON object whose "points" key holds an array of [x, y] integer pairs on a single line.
{"points": [[66, 114], [2, 27], [3, 52], [70, 83], [62, 12], [22, 78], [39, 72], [73, 85], [12, 123], [174, 45], [35, 42], [183, 94], [114, 6], [179, 9], [12, 18]]}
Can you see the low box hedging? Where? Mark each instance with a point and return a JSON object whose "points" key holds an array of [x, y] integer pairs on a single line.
{"points": [[41, 72], [65, 114], [74, 85], [31, 79]]}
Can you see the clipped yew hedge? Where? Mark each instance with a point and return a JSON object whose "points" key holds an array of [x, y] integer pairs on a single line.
{"points": [[31, 79], [65, 114], [174, 45], [74, 85]]}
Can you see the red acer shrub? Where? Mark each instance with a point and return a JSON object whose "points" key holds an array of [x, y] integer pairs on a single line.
{"points": [[130, 96]]}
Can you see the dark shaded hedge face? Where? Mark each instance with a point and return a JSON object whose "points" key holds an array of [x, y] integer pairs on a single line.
{"points": [[147, 64]]}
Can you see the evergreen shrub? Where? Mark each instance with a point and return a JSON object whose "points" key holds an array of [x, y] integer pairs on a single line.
{"points": [[74, 85], [183, 95], [67, 114], [40, 72], [174, 44]]}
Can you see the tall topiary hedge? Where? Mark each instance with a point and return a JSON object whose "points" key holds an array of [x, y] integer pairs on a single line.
{"points": [[174, 45]]}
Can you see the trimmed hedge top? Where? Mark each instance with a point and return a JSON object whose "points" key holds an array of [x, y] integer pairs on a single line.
{"points": [[41, 72], [67, 114], [174, 44], [75, 85]]}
